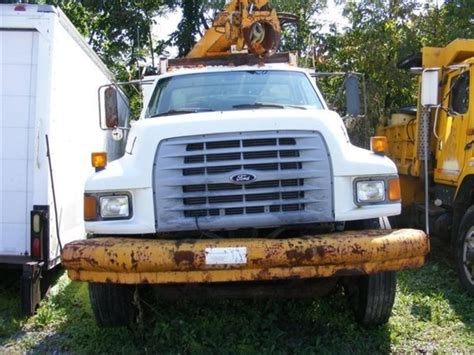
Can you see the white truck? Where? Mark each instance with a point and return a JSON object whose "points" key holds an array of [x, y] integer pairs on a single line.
{"points": [[237, 178], [49, 80]]}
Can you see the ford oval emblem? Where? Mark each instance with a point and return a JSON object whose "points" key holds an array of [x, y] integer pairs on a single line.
{"points": [[243, 178]]}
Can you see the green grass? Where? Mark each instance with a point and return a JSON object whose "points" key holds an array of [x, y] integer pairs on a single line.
{"points": [[431, 314]]}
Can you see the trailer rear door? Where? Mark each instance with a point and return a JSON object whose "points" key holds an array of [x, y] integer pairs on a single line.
{"points": [[19, 58]]}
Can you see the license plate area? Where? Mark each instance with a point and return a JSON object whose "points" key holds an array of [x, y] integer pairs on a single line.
{"points": [[226, 256]]}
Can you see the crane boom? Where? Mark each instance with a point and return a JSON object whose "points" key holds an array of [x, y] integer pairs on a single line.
{"points": [[251, 24]]}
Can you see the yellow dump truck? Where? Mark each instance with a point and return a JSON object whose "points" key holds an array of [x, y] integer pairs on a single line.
{"points": [[439, 134], [237, 179]]}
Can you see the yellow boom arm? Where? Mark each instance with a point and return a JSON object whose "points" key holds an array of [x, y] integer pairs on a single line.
{"points": [[251, 24]]}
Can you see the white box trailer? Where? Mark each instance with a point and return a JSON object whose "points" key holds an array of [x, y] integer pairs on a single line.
{"points": [[49, 81]]}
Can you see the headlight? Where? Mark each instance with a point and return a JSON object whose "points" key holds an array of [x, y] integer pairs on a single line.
{"points": [[370, 191], [114, 206]]}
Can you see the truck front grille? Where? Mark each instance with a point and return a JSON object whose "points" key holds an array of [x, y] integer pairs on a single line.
{"points": [[194, 186]]}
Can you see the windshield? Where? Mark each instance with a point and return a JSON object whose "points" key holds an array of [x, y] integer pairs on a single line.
{"points": [[232, 90]]}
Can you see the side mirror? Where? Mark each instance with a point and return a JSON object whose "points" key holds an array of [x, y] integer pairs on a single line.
{"points": [[429, 87], [111, 107], [351, 85]]}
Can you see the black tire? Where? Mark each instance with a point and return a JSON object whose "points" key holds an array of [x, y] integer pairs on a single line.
{"points": [[464, 251], [372, 297], [112, 304]]}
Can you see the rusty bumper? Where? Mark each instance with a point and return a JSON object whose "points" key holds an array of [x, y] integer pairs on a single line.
{"points": [[138, 261]]}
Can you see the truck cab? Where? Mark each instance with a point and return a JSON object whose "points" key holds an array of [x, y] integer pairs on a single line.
{"points": [[242, 147]]}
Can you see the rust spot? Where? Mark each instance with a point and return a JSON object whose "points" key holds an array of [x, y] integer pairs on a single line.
{"points": [[257, 261], [357, 249], [263, 274], [183, 257], [133, 261], [321, 251], [298, 257]]}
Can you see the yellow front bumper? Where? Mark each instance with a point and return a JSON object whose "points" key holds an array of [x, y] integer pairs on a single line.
{"points": [[139, 261]]}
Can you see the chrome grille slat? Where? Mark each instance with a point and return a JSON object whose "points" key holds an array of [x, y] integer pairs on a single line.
{"points": [[246, 161], [276, 202], [241, 192], [248, 135], [232, 150], [292, 180], [277, 175]]}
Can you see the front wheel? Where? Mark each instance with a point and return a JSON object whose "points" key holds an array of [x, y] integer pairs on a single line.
{"points": [[372, 297], [112, 304], [464, 251]]}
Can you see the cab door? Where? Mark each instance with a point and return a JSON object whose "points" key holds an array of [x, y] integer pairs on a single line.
{"points": [[454, 123]]}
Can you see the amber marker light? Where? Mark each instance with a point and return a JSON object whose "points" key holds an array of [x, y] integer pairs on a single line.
{"points": [[90, 208], [99, 160], [394, 192], [379, 145]]}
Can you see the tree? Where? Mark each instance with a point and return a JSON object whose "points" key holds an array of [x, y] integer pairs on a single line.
{"points": [[439, 25], [119, 31], [197, 18], [300, 37]]}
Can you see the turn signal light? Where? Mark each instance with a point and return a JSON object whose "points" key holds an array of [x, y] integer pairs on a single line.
{"points": [[99, 160], [394, 192], [379, 145], [90, 208]]}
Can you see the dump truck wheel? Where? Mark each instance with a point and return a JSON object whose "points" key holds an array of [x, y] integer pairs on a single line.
{"points": [[372, 297], [112, 304], [464, 251]]}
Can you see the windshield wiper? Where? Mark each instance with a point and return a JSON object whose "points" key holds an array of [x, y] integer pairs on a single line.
{"points": [[267, 105], [183, 111]]}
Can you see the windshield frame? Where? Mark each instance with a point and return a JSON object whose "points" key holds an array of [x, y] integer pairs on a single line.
{"points": [[185, 72]]}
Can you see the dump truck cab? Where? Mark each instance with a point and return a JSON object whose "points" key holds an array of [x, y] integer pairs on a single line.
{"points": [[238, 178]]}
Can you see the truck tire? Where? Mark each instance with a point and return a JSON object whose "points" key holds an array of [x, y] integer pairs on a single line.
{"points": [[112, 304], [372, 297], [464, 251]]}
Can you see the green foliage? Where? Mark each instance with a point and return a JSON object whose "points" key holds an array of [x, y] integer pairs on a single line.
{"points": [[380, 35], [118, 31], [300, 37], [440, 25], [197, 16]]}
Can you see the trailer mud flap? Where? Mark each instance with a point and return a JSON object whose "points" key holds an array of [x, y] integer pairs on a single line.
{"points": [[138, 261], [30, 287]]}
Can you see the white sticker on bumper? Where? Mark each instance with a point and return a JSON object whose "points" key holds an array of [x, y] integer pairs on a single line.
{"points": [[226, 256]]}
